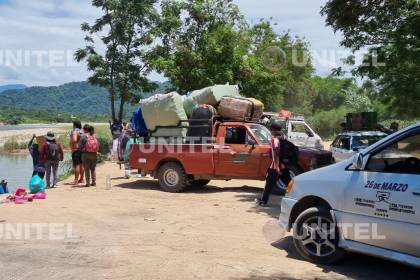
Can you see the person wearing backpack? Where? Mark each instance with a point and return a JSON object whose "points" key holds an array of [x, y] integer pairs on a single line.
{"points": [[89, 146], [51, 154]]}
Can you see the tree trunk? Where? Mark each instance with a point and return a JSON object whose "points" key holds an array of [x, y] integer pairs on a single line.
{"points": [[121, 112], [112, 99]]}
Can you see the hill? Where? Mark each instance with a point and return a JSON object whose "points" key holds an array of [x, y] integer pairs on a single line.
{"points": [[75, 97], [11, 87]]}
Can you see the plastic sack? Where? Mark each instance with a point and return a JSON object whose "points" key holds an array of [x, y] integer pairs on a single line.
{"points": [[209, 95], [36, 184], [162, 110]]}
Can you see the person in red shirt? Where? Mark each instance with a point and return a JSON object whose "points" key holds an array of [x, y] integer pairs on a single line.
{"points": [[51, 155]]}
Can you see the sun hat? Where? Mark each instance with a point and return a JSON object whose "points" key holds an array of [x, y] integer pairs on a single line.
{"points": [[50, 136]]}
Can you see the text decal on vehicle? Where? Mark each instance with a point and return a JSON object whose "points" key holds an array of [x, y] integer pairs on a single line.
{"points": [[386, 186]]}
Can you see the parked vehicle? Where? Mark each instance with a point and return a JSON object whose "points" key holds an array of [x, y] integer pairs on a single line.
{"points": [[297, 130], [368, 204], [237, 150], [348, 143]]}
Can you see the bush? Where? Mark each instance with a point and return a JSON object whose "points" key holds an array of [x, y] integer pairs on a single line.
{"points": [[11, 145], [327, 123]]}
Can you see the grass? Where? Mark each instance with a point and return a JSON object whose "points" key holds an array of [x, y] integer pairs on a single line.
{"points": [[12, 144]]}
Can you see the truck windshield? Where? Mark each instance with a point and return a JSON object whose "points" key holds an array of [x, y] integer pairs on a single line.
{"points": [[262, 133]]}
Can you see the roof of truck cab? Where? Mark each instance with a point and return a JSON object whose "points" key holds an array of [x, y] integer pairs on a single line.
{"points": [[362, 133]]}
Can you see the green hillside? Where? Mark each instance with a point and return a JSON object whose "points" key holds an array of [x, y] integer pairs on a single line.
{"points": [[75, 97]]}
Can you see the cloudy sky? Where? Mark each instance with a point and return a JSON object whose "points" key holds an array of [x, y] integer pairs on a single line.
{"points": [[38, 37]]}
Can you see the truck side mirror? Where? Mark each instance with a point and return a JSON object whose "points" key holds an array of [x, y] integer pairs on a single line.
{"points": [[357, 163], [251, 142]]}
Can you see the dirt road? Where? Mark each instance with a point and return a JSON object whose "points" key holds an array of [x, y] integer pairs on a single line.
{"points": [[136, 231]]}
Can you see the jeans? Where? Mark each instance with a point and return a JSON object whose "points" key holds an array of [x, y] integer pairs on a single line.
{"points": [[270, 183], [89, 164], [51, 166]]}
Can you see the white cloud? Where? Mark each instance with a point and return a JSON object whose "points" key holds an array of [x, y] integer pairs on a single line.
{"points": [[55, 25]]}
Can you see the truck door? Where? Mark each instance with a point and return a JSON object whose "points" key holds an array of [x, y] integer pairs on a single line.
{"points": [[386, 195], [238, 155]]}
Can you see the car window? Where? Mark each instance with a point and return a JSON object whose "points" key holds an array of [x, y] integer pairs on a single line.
{"points": [[363, 141], [400, 157], [298, 127], [336, 142], [343, 142], [235, 135], [262, 133]]}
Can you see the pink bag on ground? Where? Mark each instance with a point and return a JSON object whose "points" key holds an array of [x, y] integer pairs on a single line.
{"points": [[20, 191], [40, 195]]}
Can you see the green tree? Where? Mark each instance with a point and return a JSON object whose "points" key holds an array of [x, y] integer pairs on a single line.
{"points": [[198, 41], [274, 68], [125, 31], [390, 30]]}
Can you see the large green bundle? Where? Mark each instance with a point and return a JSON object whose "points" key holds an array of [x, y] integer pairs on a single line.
{"points": [[209, 95], [163, 110]]}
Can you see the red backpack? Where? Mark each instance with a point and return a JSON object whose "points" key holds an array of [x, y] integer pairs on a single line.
{"points": [[92, 144]]}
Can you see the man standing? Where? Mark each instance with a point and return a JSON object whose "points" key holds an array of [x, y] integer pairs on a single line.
{"points": [[38, 166], [51, 154], [76, 154], [273, 172]]}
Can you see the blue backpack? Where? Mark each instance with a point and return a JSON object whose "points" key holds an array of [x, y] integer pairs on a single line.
{"points": [[137, 122]]}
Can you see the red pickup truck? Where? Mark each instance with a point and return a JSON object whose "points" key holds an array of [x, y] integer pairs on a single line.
{"points": [[238, 150]]}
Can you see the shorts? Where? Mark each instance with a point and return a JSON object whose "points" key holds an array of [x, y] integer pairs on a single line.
{"points": [[76, 158]]}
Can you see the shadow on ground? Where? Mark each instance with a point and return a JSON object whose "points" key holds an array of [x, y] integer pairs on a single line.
{"points": [[154, 185], [353, 266], [245, 193]]}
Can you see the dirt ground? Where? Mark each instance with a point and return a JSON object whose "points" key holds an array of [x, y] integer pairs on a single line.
{"points": [[136, 231]]}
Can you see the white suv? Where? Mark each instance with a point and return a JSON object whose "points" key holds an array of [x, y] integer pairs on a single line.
{"points": [[369, 203]]}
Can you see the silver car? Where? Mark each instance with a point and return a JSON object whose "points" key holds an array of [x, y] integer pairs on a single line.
{"points": [[369, 203], [347, 143]]}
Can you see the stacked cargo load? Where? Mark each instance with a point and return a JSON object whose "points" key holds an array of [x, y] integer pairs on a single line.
{"points": [[163, 113], [209, 96], [238, 108]]}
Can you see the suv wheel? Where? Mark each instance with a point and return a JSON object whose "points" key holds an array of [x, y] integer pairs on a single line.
{"points": [[172, 177], [315, 236]]}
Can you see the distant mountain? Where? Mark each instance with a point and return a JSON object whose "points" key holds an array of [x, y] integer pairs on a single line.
{"points": [[12, 87], [73, 97]]}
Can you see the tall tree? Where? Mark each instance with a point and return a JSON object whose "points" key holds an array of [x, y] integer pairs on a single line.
{"points": [[198, 42], [390, 30], [125, 31], [274, 68]]}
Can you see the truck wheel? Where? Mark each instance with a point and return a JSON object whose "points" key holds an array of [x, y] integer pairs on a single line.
{"points": [[281, 185], [199, 183], [172, 177], [315, 236]]}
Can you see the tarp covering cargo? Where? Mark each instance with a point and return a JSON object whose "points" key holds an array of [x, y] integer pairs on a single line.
{"points": [[163, 110], [209, 95], [240, 108]]}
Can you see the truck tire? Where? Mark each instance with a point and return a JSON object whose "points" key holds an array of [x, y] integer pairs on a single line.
{"points": [[281, 186], [199, 183], [316, 237], [172, 177]]}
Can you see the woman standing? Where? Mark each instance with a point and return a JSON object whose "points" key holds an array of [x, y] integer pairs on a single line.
{"points": [[89, 145]]}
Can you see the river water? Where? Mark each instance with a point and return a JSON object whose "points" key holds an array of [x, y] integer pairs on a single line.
{"points": [[17, 168]]}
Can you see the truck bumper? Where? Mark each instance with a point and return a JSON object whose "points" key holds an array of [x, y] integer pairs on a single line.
{"points": [[287, 204]]}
